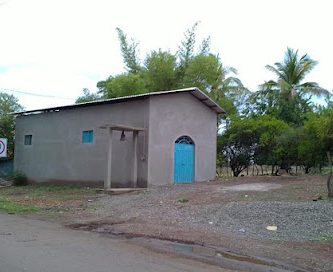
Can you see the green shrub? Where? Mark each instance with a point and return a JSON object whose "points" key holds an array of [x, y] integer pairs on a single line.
{"points": [[20, 179]]}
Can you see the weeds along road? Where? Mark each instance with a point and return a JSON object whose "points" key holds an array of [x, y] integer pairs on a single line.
{"points": [[37, 246]]}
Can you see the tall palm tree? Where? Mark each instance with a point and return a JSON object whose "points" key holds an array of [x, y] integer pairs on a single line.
{"points": [[289, 97], [226, 84], [291, 73]]}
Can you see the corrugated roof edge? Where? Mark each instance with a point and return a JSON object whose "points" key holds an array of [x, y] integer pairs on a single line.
{"points": [[193, 90]]}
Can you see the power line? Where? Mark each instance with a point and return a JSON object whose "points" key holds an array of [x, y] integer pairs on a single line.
{"points": [[35, 94]]}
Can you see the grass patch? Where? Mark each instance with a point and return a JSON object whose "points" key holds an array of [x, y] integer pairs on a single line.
{"points": [[44, 198], [41, 190], [12, 207]]}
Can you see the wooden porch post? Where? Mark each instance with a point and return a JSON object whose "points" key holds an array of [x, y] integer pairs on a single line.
{"points": [[135, 158], [107, 182]]}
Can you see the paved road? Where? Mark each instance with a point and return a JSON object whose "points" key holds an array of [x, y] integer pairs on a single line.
{"points": [[36, 246]]}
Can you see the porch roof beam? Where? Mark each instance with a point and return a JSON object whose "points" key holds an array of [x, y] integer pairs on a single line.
{"points": [[121, 127]]}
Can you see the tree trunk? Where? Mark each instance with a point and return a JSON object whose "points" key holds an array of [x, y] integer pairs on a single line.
{"points": [[229, 168], [235, 172], [330, 178], [257, 170]]}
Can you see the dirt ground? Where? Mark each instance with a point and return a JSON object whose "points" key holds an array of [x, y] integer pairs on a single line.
{"points": [[197, 214], [230, 215]]}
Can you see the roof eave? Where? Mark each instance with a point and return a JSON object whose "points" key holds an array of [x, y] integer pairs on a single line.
{"points": [[205, 99]]}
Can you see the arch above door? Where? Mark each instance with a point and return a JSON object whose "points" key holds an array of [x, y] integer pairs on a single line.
{"points": [[184, 140]]}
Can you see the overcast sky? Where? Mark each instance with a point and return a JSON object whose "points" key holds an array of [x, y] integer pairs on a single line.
{"points": [[59, 47]]}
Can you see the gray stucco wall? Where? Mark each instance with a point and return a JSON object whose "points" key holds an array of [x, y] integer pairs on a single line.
{"points": [[172, 116], [58, 154]]}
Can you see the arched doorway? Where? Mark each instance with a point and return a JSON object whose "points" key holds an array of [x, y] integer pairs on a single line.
{"points": [[184, 160]]}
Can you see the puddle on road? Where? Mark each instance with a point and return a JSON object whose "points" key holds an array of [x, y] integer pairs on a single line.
{"points": [[195, 249], [207, 254], [183, 248], [211, 252], [214, 256]]}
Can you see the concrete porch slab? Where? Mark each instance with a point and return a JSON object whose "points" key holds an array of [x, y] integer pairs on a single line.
{"points": [[117, 191]]}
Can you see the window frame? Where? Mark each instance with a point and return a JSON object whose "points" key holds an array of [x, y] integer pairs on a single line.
{"points": [[87, 136], [27, 139]]}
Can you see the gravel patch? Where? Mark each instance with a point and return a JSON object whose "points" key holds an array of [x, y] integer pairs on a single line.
{"points": [[295, 221], [169, 206]]}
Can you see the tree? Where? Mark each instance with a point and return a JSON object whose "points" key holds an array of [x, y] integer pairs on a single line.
{"points": [[326, 135], [129, 52], [208, 74], [8, 104], [311, 150], [289, 95], [220, 156], [286, 150], [228, 90], [268, 130], [161, 70], [267, 102], [87, 96], [123, 85], [292, 72], [259, 140], [186, 49], [202, 71], [239, 144]]}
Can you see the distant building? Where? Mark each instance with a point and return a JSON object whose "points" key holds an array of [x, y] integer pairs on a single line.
{"points": [[150, 139]]}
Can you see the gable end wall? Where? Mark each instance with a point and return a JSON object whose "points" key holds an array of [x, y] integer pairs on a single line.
{"points": [[173, 116]]}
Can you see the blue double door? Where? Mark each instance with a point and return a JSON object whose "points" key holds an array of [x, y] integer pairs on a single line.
{"points": [[184, 163]]}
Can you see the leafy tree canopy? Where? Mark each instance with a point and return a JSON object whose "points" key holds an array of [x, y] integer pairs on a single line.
{"points": [[87, 96], [8, 104], [190, 66]]}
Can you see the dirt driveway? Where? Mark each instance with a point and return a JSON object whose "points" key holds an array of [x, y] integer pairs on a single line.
{"points": [[232, 215]]}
